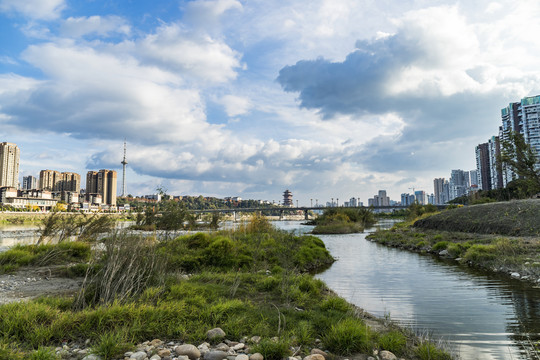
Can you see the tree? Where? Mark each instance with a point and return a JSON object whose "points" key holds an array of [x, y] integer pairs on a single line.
{"points": [[519, 157]]}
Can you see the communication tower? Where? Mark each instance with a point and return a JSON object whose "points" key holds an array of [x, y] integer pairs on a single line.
{"points": [[124, 163]]}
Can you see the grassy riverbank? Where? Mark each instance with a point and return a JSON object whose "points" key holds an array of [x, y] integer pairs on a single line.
{"points": [[251, 281], [499, 237], [343, 221]]}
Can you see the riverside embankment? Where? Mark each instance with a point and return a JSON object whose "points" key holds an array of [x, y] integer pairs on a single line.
{"points": [[498, 237]]}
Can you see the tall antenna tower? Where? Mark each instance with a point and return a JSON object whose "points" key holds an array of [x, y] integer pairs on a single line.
{"points": [[124, 163]]}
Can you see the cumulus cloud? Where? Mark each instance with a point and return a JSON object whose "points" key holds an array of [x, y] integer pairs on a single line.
{"points": [[34, 9], [191, 53], [206, 14], [235, 105], [432, 72], [94, 25], [95, 95]]}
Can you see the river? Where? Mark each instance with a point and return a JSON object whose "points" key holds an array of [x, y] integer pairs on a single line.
{"points": [[480, 315]]}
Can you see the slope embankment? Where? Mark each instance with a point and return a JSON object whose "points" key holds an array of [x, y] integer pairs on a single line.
{"points": [[511, 218]]}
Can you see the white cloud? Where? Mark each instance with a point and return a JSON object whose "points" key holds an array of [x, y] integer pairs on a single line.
{"points": [[206, 14], [94, 25], [199, 55], [34, 9], [235, 105]]}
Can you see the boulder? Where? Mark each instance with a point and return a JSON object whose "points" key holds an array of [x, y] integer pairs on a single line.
{"points": [[242, 357], [387, 355], [256, 356], [215, 333]]}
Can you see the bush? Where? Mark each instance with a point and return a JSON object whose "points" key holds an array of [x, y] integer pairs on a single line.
{"points": [[393, 341], [348, 336], [272, 350], [428, 351], [335, 303], [441, 245], [480, 253]]}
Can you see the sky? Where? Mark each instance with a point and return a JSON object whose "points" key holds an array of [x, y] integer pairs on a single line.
{"points": [[326, 98]]}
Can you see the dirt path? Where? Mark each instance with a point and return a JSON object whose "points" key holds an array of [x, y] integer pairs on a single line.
{"points": [[30, 283]]}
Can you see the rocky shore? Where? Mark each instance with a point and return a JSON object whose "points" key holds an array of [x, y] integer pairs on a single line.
{"points": [[225, 349]]}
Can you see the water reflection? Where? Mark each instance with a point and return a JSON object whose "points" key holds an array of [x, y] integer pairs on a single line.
{"points": [[485, 316]]}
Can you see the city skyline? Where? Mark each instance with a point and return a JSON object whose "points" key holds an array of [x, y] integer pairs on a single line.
{"points": [[231, 98]]}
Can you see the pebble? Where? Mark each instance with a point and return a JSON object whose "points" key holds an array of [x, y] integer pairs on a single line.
{"points": [[314, 357], [139, 355], [256, 356], [242, 357], [318, 351]]}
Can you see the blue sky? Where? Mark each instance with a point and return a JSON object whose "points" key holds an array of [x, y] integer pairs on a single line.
{"points": [[335, 98]]}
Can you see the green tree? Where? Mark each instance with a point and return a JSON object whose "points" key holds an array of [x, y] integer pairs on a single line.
{"points": [[519, 157]]}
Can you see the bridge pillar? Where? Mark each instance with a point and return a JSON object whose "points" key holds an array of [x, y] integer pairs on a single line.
{"points": [[280, 214], [306, 216]]}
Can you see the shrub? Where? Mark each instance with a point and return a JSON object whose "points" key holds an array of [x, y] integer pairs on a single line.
{"points": [[428, 351], [348, 336], [393, 341], [43, 354], [480, 253], [272, 350], [335, 303], [441, 245], [111, 345]]}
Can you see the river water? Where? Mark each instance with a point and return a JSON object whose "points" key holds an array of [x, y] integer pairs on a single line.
{"points": [[480, 315]]}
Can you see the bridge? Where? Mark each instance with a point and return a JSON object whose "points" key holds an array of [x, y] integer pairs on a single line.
{"points": [[304, 209]]}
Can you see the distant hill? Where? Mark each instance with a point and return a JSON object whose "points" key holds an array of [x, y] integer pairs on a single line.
{"points": [[513, 218]]}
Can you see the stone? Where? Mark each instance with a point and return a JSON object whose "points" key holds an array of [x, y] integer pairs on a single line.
{"points": [[242, 357], [91, 357], [215, 333], [318, 351], [256, 356], [444, 253], [189, 350], [128, 354], [257, 339], [387, 355], [204, 348], [515, 275], [222, 347], [139, 355], [314, 357], [164, 352], [182, 357], [156, 342], [239, 346], [215, 355], [155, 357]]}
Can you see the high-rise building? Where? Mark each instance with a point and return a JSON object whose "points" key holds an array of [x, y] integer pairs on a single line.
{"points": [[70, 182], [473, 176], [383, 199], [523, 118], [459, 183], [420, 196], [52, 180], [9, 164], [438, 187], [102, 182], [495, 170], [482, 167], [49, 180], [29, 183]]}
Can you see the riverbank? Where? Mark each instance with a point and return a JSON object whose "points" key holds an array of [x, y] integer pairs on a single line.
{"points": [[498, 237], [245, 282]]}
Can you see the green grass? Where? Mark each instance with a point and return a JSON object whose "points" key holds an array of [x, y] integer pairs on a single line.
{"points": [[248, 282], [393, 341], [43, 255]]}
